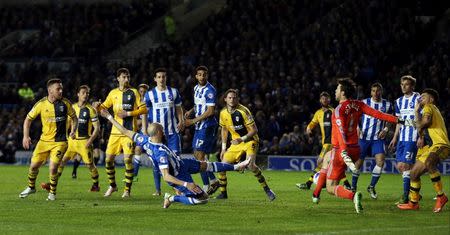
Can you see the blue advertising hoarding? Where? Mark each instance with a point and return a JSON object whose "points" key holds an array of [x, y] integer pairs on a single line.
{"points": [[308, 163]]}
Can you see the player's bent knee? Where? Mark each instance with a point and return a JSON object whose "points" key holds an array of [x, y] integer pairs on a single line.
{"points": [[330, 189], [401, 167], [380, 163], [414, 175], [253, 167], [431, 164]]}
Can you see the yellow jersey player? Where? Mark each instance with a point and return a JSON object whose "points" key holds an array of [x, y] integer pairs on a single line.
{"points": [[142, 123], [322, 117], [127, 105], [237, 120], [54, 111], [434, 147], [88, 129]]}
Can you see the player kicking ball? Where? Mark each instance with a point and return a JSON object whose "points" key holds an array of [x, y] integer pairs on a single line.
{"points": [[175, 171]]}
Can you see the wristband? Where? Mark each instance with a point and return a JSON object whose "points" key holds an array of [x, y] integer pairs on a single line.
{"points": [[224, 146], [185, 184], [109, 117], [244, 138]]}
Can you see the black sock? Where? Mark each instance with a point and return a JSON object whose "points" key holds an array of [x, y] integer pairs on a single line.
{"points": [[76, 164]]}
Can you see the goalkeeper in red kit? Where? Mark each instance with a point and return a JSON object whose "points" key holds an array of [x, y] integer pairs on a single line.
{"points": [[344, 138]]}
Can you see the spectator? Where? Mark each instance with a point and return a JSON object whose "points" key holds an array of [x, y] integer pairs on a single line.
{"points": [[26, 93]]}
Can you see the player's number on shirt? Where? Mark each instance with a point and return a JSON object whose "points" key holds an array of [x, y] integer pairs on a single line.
{"points": [[409, 155], [198, 143]]}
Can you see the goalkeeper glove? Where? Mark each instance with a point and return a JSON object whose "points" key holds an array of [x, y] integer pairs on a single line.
{"points": [[406, 122], [348, 161]]}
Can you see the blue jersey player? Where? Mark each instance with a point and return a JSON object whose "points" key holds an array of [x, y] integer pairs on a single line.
{"points": [[205, 124], [372, 133], [406, 135], [175, 171], [164, 107]]}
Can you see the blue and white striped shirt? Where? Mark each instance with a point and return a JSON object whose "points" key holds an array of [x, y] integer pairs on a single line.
{"points": [[161, 108], [161, 155], [369, 127], [404, 108], [204, 96]]}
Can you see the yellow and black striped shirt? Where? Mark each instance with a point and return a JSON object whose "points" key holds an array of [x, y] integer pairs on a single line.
{"points": [[86, 117], [128, 100], [436, 133], [323, 118], [53, 117], [237, 122]]}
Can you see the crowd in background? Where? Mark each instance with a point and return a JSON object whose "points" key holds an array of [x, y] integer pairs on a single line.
{"points": [[279, 54], [63, 30]]}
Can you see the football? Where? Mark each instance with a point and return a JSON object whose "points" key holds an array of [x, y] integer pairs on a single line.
{"points": [[316, 177]]}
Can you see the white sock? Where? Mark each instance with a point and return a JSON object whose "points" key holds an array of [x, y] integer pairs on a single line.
{"points": [[405, 174], [377, 170]]}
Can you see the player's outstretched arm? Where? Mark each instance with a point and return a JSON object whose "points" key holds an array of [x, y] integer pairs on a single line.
{"points": [[139, 111], [224, 137], [144, 124], [121, 128], [378, 114]]}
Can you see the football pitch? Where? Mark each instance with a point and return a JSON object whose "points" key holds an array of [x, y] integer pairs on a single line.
{"points": [[247, 211]]}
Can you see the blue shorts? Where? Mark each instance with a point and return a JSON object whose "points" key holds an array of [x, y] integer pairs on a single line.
{"points": [[406, 152], [174, 143], [371, 147], [188, 167], [205, 140]]}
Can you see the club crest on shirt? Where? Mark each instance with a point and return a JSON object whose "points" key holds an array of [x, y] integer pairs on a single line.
{"points": [[411, 105], [170, 97], [237, 118], [210, 95], [140, 139], [382, 109], [162, 160], [61, 108], [148, 150]]}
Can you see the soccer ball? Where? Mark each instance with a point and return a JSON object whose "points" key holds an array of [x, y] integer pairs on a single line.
{"points": [[316, 177]]}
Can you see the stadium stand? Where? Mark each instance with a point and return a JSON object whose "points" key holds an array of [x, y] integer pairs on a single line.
{"points": [[280, 54]]}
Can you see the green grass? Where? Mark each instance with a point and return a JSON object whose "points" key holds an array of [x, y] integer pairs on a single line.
{"points": [[247, 211]]}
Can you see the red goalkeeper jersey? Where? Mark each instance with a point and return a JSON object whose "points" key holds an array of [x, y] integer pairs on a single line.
{"points": [[345, 120]]}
